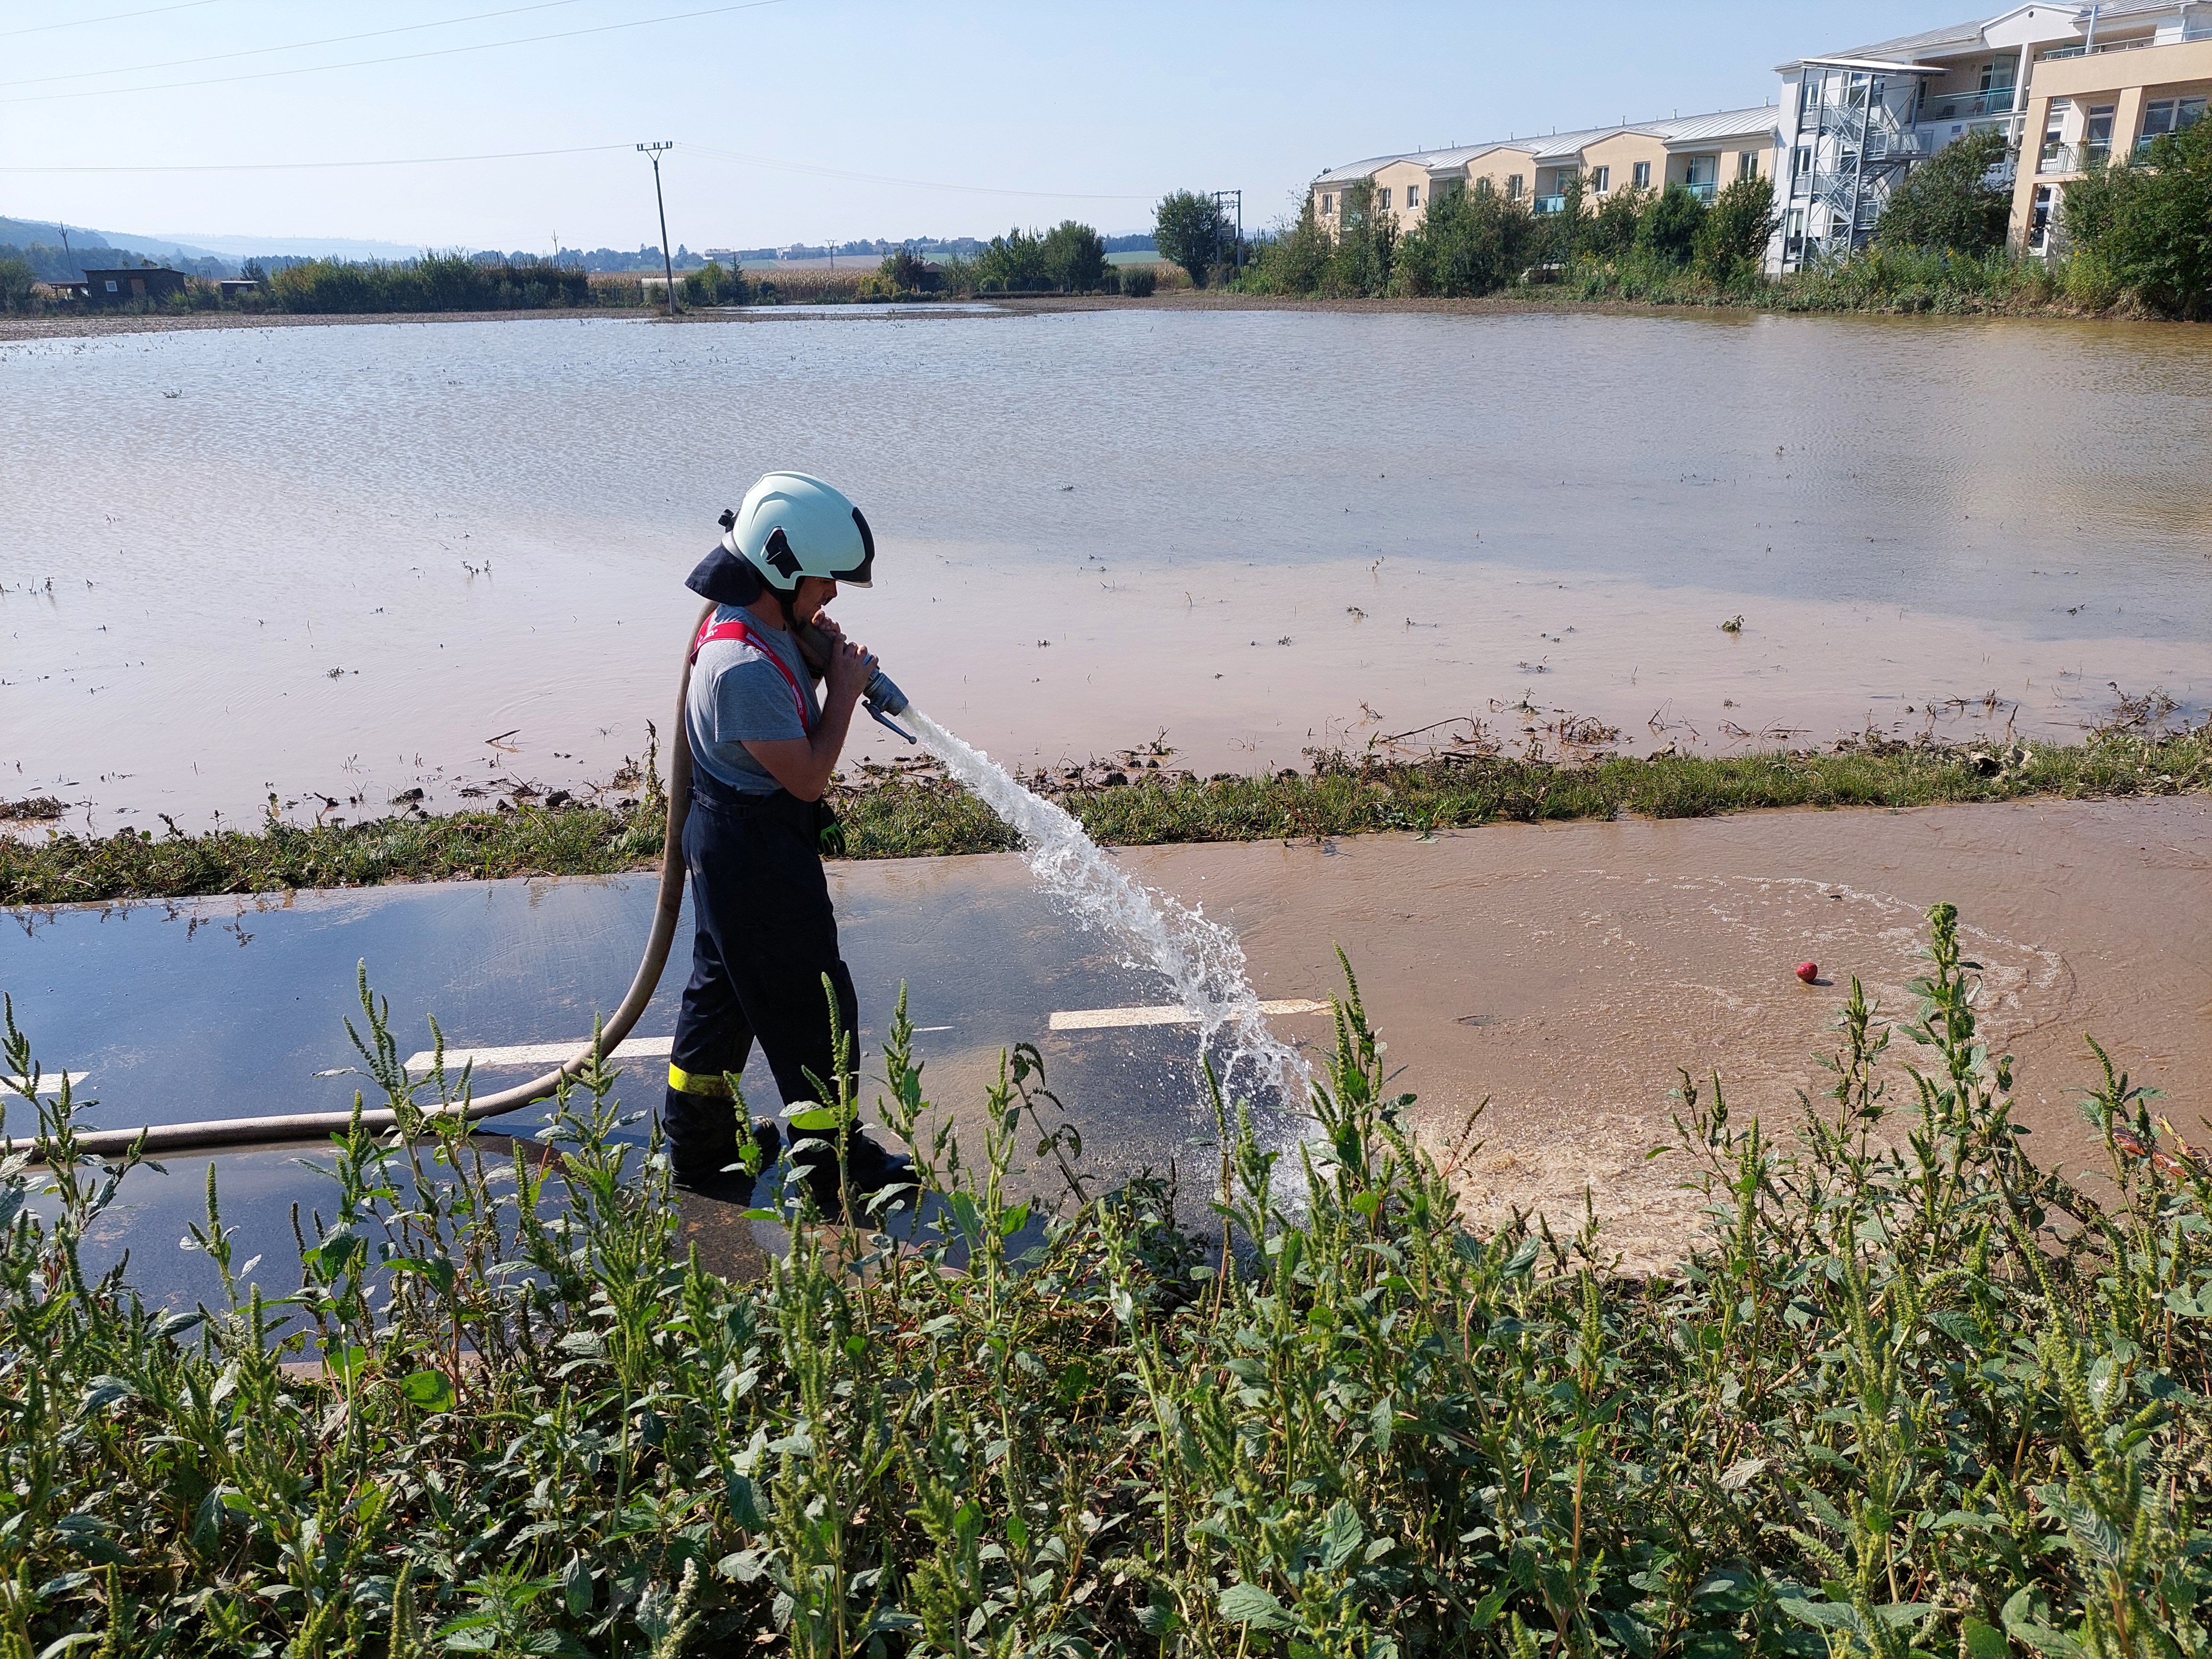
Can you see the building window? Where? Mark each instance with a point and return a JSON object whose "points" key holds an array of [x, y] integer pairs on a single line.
{"points": [[1327, 205], [2165, 115], [1600, 179], [1383, 199], [1802, 162], [2097, 138], [1746, 164], [110, 286], [1412, 195], [1514, 185], [2038, 230], [1639, 175]]}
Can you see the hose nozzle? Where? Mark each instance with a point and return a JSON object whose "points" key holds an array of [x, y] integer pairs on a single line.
{"points": [[884, 699]]}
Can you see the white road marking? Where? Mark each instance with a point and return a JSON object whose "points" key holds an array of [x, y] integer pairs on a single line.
{"points": [[51, 1084], [550, 1054], [1103, 1019], [547, 1055]]}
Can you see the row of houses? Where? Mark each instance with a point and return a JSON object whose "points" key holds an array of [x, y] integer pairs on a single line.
{"points": [[2071, 87]]}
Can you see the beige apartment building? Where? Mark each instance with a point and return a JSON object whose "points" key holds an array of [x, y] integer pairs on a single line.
{"points": [[2071, 87], [1701, 153]]}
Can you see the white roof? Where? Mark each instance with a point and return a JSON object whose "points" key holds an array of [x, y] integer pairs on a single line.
{"points": [[1758, 122], [1556, 147], [1964, 37], [1434, 159]]}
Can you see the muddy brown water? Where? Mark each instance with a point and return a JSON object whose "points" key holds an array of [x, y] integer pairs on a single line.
{"points": [[333, 562], [1564, 972]]}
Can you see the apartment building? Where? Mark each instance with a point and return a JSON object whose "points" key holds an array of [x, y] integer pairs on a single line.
{"points": [[2071, 87], [1701, 153]]}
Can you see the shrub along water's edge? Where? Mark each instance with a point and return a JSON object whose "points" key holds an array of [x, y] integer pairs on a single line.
{"points": [[1909, 1394], [894, 815]]}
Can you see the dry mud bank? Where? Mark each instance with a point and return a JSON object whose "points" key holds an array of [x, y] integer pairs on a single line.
{"points": [[1564, 972]]}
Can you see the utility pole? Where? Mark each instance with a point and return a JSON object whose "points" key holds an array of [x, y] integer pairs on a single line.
{"points": [[652, 152], [1226, 201]]}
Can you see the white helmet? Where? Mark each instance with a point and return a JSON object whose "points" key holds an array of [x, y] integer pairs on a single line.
{"points": [[792, 525]]}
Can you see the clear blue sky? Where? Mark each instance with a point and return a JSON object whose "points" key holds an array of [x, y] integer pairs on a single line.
{"points": [[1096, 108]]}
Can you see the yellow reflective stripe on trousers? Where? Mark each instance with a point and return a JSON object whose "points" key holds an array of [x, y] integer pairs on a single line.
{"points": [[698, 1083]]}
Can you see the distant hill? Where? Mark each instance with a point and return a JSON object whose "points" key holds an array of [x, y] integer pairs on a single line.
{"points": [[310, 247], [24, 232], [205, 256], [40, 242]]}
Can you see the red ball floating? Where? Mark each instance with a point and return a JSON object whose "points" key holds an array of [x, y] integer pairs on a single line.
{"points": [[1808, 971]]}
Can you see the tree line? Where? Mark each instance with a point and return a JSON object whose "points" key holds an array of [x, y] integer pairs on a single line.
{"points": [[2135, 235]]}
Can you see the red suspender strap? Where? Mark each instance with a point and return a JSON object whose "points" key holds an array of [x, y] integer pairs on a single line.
{"points": [[735, 629]]}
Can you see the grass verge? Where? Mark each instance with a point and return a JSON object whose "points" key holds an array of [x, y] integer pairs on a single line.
{"points": [[907, 814], [1909, 1394]]}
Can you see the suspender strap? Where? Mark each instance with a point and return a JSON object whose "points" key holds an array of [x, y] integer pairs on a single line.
{"points": [[735, 629]]}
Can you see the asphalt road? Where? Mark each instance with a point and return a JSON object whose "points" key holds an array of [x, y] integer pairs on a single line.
{"points": [[167, 1012]]}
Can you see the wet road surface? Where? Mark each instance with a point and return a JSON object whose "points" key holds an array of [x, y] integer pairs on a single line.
{"points": [[1562, 973], [207, 1008]]}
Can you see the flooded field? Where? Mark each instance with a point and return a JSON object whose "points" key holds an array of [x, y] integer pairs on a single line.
{"points": [[338, 564]]}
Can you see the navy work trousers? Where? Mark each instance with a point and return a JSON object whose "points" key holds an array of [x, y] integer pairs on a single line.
{"points": [[765, 937]]}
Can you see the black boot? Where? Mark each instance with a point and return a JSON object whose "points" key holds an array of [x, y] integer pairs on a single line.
{"points": [[869, 1169], [730, 1184]]}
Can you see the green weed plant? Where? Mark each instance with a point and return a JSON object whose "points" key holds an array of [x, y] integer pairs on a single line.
{"points": [[1909, 1394], [897, 815]]}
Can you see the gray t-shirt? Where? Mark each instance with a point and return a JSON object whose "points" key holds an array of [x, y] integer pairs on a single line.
{"points": [[737, 695]]}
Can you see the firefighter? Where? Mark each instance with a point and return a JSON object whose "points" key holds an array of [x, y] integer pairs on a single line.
{"points": [[765, 742]]}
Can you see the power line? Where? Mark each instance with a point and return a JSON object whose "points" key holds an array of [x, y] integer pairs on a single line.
{"points": [[400, 58], [112, 17], [912, 183], [310, 167], [298, 46], [586, 150]]}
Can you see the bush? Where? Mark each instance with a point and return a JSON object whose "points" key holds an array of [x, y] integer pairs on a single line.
{"points": [[1472, 241], [1947, 203], [1609, 233], [1365, 251], [1013, 264], [434, 282], [905, 273], [711, 285], [1292, 259], [1074, 257], [1668, 229], [18, 284], [1731, 243], [1188, 231], [1915, 280], [2149, 224], [1136, 282], [1908, 1394]]}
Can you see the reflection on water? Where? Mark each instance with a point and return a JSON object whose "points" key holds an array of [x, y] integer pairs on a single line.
{"points": [[332, 561]]}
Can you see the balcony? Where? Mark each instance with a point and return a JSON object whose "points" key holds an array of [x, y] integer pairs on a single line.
{"points": [[2060, 158], [1543, 204], [2098, 50], [1968, 105], [1703, 189]]}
